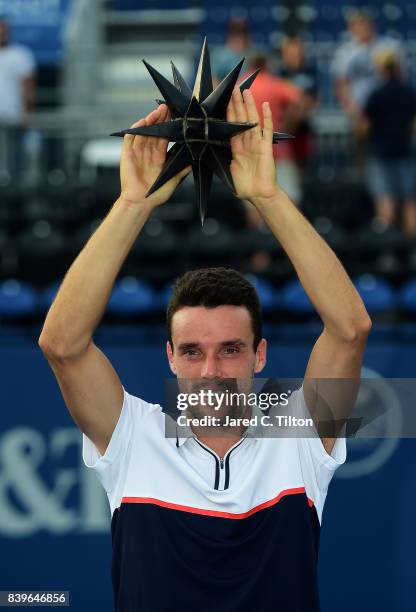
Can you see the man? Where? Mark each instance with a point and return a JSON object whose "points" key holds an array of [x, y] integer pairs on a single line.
{"points": [[237, 43], [388, 120], [226, 523], [353, 68], [17, 70]]}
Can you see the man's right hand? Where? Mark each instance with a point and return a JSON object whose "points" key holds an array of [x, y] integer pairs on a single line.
{"points": [[142, 160]]}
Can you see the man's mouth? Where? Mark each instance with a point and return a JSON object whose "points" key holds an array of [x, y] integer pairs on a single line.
{"points": [[229, 385]]}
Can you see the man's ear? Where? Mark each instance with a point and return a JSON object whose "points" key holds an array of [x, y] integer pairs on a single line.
{"points": [[169, 353], [261, 356]]}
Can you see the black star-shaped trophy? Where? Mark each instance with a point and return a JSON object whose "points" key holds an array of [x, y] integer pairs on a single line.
{"points": [[198, 126]]}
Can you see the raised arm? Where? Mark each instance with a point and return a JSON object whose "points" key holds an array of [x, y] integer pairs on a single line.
{"points": [[339, 349], [89, 384]]}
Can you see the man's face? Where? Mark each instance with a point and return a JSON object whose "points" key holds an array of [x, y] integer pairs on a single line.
{"points": [[238, 41], [4, 34], [362, 29], [292, 55], [213, 349], [214, 343]]}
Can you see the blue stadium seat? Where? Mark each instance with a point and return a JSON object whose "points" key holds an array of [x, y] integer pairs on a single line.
{"points": [[17, 299], [131, 297], [269, 296], [407, 296], [135, 5], [377, 294], [295, 299]]}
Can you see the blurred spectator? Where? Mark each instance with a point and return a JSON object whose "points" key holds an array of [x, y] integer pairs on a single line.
{"points": [[17, 79], [389, 116], [294, 68], [237, 44], [285, 103], [353, 67]]}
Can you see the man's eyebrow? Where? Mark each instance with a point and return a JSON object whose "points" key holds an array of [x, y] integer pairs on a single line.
{"points": [[236, 342], [187, 345], [184, 346]]}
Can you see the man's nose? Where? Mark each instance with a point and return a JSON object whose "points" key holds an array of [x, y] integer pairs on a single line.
{"points": [[211, 368]]}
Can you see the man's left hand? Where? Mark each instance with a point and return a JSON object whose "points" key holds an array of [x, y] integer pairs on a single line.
{"points": [[253, 166]]}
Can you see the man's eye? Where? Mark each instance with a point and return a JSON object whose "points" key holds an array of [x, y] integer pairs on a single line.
{"points": [[191, 352], [230, 350]]}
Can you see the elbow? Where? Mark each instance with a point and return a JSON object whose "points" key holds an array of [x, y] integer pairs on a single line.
{"points": [[49, 347], [366, 324], [359, 330], [56, 350]]}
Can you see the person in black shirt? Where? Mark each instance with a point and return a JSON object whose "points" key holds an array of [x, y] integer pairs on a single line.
{"points": [[388, 119]]}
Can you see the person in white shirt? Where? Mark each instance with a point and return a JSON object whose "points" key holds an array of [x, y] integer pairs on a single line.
{"points": [[353, 68], [17, 100]]}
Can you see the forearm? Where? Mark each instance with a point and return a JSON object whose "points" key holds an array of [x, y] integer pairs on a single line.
{"points": [[87, 286], [29, 94], [318, 268], [342, 91]]}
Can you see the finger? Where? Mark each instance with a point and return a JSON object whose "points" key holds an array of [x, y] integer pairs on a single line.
{"points": [[164, 113], [240, 110], [231, 114], [168, 113], [152, 142], [132, 142], [252, 114], [184, 173], [242, 116], [128, 139], [147, 146], [161, 144], [267, 123], [153, 116], [139, 141]]}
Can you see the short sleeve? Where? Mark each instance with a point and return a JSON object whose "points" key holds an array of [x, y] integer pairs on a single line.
{"points": [[111, 468], [291, 93], [25, 62], [317, 466], [338, 66], [323, 463]]}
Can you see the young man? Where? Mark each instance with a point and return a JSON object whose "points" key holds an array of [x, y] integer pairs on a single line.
{"points": [[353, 67], [228, 523]]}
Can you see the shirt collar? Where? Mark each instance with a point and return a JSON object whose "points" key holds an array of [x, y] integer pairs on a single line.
{"points": [[255, 431]]}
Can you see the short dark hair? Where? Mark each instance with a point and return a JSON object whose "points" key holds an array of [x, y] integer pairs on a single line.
{"points": [[239, 26], [359, 14], [258, 60], [212, 287]]}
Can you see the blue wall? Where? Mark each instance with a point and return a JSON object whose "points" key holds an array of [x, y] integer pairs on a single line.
{"points": [[38, 24], [54, 518]]}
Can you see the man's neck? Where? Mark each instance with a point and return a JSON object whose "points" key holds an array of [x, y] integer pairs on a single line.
{"points": [[228, 436], [220, 446]]}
